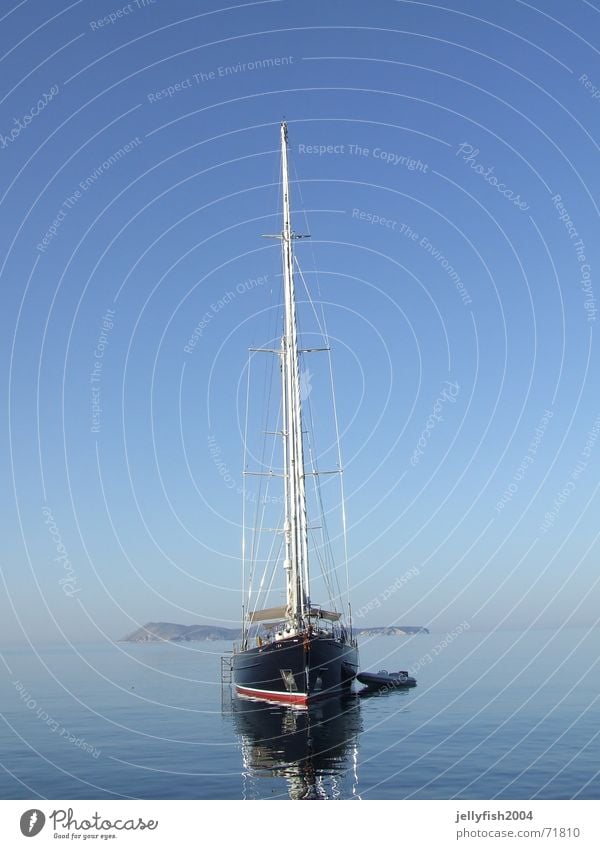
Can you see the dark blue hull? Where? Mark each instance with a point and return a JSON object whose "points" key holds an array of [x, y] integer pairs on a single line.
{"points": [[296, 670]]}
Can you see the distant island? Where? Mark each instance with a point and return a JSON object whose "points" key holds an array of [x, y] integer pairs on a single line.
{"points": [[161, 632]]}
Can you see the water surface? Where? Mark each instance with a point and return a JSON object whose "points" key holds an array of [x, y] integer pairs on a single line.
{"points": [[505, 715]]}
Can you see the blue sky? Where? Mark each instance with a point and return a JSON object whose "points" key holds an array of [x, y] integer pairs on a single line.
{"points": [[444, 159]]}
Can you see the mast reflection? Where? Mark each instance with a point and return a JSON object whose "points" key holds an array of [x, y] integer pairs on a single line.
{"points": [[306, 754]]}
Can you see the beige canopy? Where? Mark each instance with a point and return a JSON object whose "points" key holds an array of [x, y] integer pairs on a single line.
{"points": [[271, 614]]}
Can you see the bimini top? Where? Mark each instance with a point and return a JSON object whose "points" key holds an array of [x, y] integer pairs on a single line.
{"points": [[272, 614]]}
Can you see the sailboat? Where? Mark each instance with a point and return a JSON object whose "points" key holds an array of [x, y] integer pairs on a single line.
{"points": [[297, 652]]}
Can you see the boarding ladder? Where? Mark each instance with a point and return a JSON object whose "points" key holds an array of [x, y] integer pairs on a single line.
{"points": [[226, 669]]}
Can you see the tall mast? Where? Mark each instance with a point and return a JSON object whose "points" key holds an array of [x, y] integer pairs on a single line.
{"points": [[296, 536]]}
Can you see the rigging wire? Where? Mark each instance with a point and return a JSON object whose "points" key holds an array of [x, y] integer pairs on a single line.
{"points": [[323, 328], [326, 539], [260, 498], [268, 557], [244, 497], [276, 310]]}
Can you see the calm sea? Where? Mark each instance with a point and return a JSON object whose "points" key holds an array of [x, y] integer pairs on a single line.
{"points": [[507, 715]]}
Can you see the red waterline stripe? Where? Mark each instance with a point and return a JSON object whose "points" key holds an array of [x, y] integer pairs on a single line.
{"points": [[274, 696]]}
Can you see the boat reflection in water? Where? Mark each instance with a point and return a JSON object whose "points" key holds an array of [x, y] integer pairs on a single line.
{"points": [[313, 750]]}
